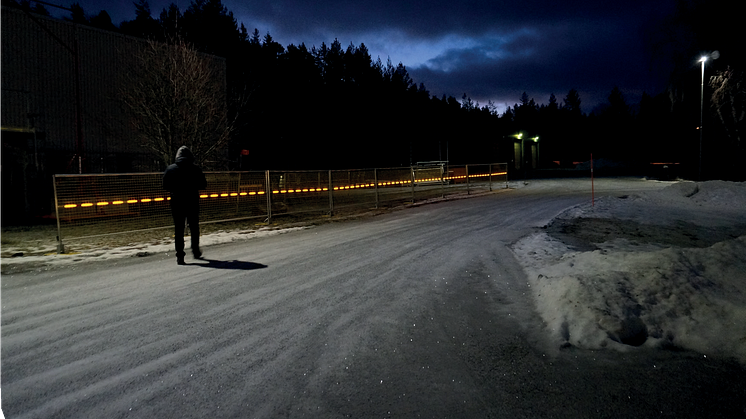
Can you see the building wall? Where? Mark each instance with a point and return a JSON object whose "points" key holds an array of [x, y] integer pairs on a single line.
{"points": [[39, 129]]}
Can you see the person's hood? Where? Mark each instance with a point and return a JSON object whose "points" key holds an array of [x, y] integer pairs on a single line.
{"points": [[184, 155]]}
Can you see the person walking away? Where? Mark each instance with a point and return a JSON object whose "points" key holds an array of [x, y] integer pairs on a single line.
{"points": [[184, 180]]}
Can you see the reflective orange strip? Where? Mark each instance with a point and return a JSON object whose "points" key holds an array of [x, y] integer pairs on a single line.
{"points": [[286, 191]]}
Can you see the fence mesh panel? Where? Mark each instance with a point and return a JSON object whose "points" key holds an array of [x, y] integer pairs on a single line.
{"points": [[353, 188], [295, 192], [233, 195], [395, 185], [480, 177], [101, 204]]}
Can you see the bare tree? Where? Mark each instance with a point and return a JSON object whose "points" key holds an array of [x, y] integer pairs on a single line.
{"points": [[729, 101], [176, 96]]}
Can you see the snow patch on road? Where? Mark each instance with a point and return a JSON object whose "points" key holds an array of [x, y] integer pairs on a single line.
{"points": [[625, 293]]}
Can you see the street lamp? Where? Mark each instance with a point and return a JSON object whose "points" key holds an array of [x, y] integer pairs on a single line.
{"points": [[701, 113], [714, 55]]}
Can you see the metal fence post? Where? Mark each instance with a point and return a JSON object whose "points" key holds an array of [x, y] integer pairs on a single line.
{"points": [[331, 195], [448, 173], [268, 191], [375, 180], [238, 196], [467, 180], [90, 202], [442, 181], [490, 177], [60, 246], [411, 173]]}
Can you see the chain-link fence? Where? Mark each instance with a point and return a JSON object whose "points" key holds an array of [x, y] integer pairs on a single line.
{"points": [[104, 204]]}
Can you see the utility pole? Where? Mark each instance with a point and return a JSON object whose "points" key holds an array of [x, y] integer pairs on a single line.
{"points": [[75, 51]]}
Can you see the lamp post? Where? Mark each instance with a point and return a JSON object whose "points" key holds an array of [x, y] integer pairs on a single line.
{"points": [[714, 55], [73, 49], [701, 113]]}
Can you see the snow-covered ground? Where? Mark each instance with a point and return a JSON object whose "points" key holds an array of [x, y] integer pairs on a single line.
{"points": [[665, 267], [44, 254], [658, 268]]}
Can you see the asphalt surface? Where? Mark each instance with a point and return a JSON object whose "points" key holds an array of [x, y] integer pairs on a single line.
{"points": [[416, 313]]}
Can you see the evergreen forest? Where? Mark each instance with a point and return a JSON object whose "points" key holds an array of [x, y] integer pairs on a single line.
{"points": [[334, 106]]}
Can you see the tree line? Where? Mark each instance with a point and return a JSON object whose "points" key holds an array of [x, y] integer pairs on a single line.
{"points": [[335, 106]]}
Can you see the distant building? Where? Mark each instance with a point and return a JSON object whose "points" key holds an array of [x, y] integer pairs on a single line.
{"points": [[54, 122]]}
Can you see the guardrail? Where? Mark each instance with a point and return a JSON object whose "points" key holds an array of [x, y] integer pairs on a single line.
{"points": [[103, 204]]}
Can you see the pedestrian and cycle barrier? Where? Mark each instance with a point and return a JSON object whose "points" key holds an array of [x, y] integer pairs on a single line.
{"points": [[93, 205]]}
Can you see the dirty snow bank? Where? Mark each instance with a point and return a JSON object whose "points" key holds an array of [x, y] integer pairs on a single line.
{"points": [[649, 292]]}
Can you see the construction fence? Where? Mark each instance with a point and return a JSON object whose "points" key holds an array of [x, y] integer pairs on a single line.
{"points": [[94, 205]]}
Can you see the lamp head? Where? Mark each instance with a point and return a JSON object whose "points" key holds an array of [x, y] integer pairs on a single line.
{"points": [[714, 55]]}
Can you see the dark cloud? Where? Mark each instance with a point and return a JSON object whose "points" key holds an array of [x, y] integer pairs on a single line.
{"points": [[428, 19], [496, 50], [491, 50], [551, 58]]}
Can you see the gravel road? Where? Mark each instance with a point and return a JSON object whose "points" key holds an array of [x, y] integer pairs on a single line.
{"points": [[416, 313]]}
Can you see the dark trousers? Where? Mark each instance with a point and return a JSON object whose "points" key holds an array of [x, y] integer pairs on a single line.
{"points": [[190, 214]]}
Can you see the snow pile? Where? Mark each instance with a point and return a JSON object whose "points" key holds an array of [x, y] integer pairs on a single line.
{"points": [[655, 293], [722, 194]]}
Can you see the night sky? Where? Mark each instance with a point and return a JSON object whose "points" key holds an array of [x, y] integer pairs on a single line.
{"points": [[490, 50]]}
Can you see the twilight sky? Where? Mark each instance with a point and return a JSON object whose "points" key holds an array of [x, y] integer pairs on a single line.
{"points": [[490, 50]]}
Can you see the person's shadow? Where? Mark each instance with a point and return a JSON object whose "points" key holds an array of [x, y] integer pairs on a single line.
{"points": [[227, 264]]}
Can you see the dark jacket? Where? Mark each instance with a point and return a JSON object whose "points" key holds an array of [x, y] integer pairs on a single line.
{"points": [[184, 179]]}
